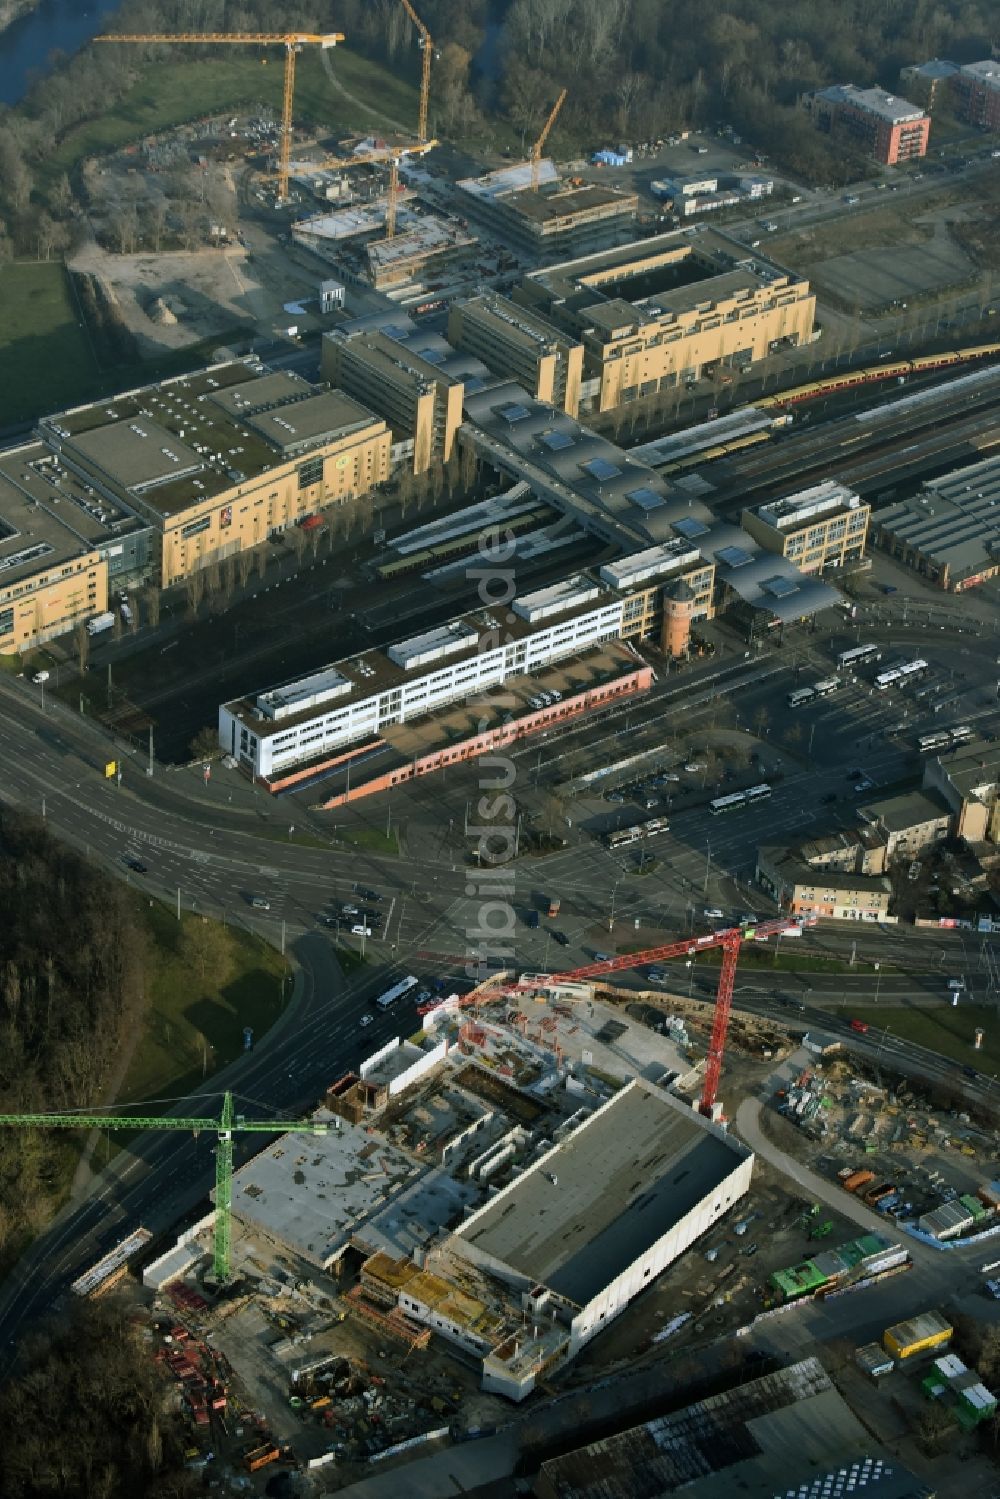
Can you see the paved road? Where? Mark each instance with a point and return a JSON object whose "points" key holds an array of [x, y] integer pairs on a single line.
{"points": [[218, 844]]}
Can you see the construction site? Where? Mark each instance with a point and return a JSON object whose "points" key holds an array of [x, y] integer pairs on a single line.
{"points": [[889, 1143], [455, 1224]]}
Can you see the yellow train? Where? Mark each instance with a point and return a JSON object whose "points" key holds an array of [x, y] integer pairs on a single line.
{"points": [[874, 373]]}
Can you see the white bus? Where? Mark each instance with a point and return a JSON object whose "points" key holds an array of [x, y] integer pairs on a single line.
{"points": [[886, 678], [397, 991], [731, 803], [801, 696], [828, 685], [859, 655], [738, 799], [928, 742]]}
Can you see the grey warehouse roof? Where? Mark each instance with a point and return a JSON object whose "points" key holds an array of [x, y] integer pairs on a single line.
{"points": [[954, 520], [607, 1194]]}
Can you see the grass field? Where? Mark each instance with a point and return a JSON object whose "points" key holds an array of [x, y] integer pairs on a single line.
{"points": [[945, 1029], [45, 357], [46, 360], [206, 983], [370, 838], [229, 79]]}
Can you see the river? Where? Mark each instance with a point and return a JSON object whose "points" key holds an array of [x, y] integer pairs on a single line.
{"points": [[57, 25]]}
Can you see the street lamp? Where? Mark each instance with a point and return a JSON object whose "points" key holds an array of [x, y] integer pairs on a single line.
{"points": [[689, 965], [878, 979]]}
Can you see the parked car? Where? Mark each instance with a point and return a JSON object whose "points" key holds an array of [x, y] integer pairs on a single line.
{"points": [[859, 1025], [359, 930], [364, 893], [367, 1019], [260, 903], [136, 865], [561, 938], [713, 913]]}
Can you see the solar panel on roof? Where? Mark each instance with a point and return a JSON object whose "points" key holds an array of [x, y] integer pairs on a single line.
{"points": [[557, 440], [689, 527], [600, 468], [514, 413], [646, 499], [432, 355], [472, 385], [397, 331], [735, 556], [780, 587]]}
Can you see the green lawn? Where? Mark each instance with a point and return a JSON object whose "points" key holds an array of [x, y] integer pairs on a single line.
{"points": [[186, 90], [370, 838], [46, 360], [945, 1029], [45, 356], [206, 982]]}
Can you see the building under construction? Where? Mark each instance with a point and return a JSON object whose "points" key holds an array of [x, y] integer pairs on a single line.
{"points": [[559, 219]]}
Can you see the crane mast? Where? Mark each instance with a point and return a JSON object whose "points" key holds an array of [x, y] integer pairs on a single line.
{"points": [[226, 1125], [536, 150], [292, 41], [427, 50]]}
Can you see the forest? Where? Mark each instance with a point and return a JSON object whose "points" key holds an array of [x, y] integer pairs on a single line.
{"points": [[84, 1415], [634, 69], [71, 990]]}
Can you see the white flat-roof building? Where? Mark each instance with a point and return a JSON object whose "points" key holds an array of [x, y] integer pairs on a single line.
{"points": [[586, 1228], [354, 700]]}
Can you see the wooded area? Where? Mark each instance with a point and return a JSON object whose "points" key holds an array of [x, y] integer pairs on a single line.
{"points": [[634, 69], [85, 1415], [71, 987]]}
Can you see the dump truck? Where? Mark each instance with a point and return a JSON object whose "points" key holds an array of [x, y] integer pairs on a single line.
{"points": [[259, 1457], [876, 1195], [857, 1179]]}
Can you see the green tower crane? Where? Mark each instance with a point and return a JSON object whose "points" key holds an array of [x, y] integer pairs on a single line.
{"points": [[228, 1123]]}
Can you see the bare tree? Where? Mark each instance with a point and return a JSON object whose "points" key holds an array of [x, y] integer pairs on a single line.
{"points": [[194, 588], [244, 566], [151, 598], [469, 466], [228, 578], [81, 640], [260, 560]]}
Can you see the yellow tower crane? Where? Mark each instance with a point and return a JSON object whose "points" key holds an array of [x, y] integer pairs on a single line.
{"points": [[427, 48], [536, 150], [292, 41]]}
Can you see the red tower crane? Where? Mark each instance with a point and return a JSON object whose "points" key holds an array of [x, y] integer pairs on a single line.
{"points": [[730, 939]]}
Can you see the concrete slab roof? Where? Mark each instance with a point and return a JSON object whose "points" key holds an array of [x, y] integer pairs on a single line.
{"points": [[166, 447], [873, 101], [48, 515], [313, 1192], [580, 1216]]}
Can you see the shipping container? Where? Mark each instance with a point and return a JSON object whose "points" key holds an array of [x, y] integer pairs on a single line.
{"points": [[858, 1179]]}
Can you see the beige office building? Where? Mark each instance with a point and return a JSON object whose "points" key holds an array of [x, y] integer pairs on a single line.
{"points": [[661, 313], [61, 547], [414, 396], [818, 528], [215, 462], [516, 343], [52, 575]]}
